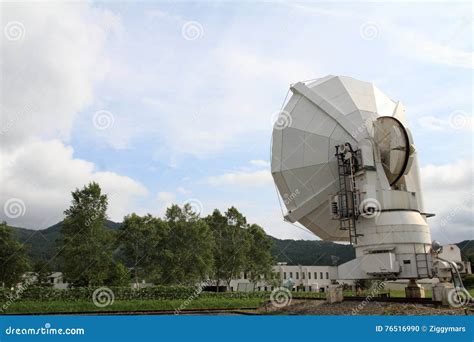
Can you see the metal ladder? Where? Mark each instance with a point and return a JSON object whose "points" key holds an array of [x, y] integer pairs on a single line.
{"points": [[422, 265], [347, 196]]}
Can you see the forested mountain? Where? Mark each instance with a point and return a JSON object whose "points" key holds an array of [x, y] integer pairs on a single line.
{"points": [[42, 245]]}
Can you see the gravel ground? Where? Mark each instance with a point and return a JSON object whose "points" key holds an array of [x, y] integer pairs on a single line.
{"points": [[316, 307]]}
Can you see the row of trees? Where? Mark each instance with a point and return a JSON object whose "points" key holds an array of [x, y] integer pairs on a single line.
{"points": [[13, 259], [181, 248]]}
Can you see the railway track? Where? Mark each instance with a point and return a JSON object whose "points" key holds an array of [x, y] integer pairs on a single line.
{"points": [[395, 300], [382, 299]]}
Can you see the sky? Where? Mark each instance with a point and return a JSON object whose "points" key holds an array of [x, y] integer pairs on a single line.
{"points": [[172, 102]]}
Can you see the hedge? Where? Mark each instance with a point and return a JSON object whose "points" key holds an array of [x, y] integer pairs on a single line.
{"points": [[120, 293]]}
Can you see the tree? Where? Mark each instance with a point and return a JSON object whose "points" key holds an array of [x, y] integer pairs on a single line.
{"points": [[87, 244], [118, 275], [231, 244], [141, 238], [188, 247], [42, 270], [259, 258], [13, 259]]}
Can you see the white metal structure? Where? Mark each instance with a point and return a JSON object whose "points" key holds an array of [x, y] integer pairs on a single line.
{"points": [[345, 164]]}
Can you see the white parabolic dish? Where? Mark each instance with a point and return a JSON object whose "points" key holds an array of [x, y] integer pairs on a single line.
{"points": [[332, 111]]}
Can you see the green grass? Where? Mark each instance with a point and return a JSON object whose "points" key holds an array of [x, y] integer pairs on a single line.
{"points": [[30, 307], [45, 307]]}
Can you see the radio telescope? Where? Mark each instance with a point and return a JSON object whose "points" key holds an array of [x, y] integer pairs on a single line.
{"points": [[344, 161]]}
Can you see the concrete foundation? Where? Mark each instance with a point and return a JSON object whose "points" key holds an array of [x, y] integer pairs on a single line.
{"points": [[441, 291], [413, 290], [334, 294]]}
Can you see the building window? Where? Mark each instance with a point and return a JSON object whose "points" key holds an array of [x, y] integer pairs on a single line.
{"points": [[297, 275], [327, 275], [302, 275], [284, 275], [309, 275], [291, 274], [315, 275], [245, 275], [321, 275]]}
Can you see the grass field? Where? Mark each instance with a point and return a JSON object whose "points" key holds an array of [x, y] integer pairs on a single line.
{"points": [[133, 305], [32, 307]]}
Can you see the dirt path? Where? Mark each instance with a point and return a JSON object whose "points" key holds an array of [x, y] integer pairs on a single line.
{"points": [[313, 307]]}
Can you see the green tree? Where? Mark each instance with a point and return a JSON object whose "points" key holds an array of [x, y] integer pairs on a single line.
{"points": [[13, 259], [231, 244], [141, 238], [87, 249], [118, 275], [42, 270], [188, 247], [259, 258]]}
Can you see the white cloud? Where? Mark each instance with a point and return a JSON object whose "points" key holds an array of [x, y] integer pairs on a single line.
{"points": [[181, 190], [260, 163], [422, 48], [457, 120], [431, 123], [411, 42], [43, 173], [448, 192], [241, 178], [167, 197], [201, 123], [49, 75]]}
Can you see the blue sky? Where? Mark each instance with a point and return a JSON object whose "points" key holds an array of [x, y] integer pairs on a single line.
{"points": [[190, 116]]}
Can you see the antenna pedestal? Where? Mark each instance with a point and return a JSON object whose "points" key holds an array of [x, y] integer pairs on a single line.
{"points": [[414, 290]]}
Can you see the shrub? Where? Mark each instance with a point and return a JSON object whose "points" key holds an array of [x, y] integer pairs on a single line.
{"points": [[468, 281], [123, 293]]}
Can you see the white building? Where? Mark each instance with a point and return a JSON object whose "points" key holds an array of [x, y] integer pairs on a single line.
{"points": [[305, 278], [56, 279]]}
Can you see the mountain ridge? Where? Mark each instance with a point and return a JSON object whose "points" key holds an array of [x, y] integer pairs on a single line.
{"points": [[42, 245]]}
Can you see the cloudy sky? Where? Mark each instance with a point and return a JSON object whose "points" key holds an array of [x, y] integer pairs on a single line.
{"points": [[169, 102]]}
